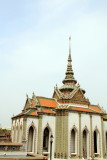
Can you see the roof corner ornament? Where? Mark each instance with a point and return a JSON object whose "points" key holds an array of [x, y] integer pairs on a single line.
{"points": [[39, 109], [27, 95], [35, 98], [33, 95], [78, 85]]}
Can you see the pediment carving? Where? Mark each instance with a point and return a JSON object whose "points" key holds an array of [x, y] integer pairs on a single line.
{"points": [[80, 98]]}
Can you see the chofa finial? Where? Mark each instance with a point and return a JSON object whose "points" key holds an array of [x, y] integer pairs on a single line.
{"points": [[33, 94], [27, 95]]}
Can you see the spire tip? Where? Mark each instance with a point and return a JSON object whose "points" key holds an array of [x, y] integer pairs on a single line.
{"points": [[69, 45]]}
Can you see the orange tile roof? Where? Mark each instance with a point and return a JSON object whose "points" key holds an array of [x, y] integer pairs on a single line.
{"points": [[48, 102], [104, 117], [81, 109], [20, 114], [96, 108], [48, 111], [33, 114]]}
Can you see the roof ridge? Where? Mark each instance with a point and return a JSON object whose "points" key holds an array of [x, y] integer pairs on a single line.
{"points": [[58, 92], [45, 98], [93, 110], [102, 110]]}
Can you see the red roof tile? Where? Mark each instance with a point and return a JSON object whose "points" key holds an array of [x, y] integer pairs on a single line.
{"points": [[81, 109], [48, 102], [104, 117], [33, 114], [20, 114], [95, 108]]}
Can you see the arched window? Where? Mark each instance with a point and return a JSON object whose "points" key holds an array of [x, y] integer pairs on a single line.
{"points": [[106, 142], [46, 140], [13, 134], [96, 141], [20, 133], [84, 144], [16, 138], [73, 141], [30, 139]]}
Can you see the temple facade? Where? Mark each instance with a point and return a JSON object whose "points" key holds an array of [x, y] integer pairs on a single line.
{"points": [[79, 129]]}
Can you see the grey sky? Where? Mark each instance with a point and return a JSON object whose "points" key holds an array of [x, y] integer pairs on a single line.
{"points": [[34, 49]]}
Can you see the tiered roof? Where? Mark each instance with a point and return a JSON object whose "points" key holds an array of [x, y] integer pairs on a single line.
{"points": [[70, 86], [36, 105], [47, 102], [63, 98], [50, 106]]}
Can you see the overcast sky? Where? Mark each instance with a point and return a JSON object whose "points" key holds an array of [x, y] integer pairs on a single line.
{"points": [[34, 50]]}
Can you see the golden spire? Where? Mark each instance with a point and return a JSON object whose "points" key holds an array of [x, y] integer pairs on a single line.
{"points": [[70, 46], [69, 79]]}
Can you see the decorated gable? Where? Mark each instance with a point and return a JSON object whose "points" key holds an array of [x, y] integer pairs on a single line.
{"points": [[27, 105], [79, 98], [55, 96]]}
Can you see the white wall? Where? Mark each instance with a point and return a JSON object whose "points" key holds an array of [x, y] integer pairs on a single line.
{"points": [[96, 124], [32, 122], [49, 121], [73, 120], [105, 131], [85, 124], [16, 136]]}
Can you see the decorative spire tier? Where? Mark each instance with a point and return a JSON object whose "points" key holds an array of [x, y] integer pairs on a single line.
{"points": [[69, 80], [70, 92]]}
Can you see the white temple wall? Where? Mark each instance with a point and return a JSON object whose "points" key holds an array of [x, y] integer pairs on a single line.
{"points": [[105, 125], [49, 121], [13, 130], [73, 122], [85, 125], [105, 135], [96, 125], [32, 122], [16, 128], [85, 121]]}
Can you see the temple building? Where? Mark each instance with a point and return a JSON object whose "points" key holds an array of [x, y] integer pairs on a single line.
{"points": [[79, 128]]}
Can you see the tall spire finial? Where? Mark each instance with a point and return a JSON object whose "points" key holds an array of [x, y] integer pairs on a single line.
{"points": [[69, 79], [70, 46]]}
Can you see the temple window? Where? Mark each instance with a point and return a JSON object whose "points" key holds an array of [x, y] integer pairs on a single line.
{"points": [[46, 140], [30, 139], [73, 141], [96, 141], [84, 144]]}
